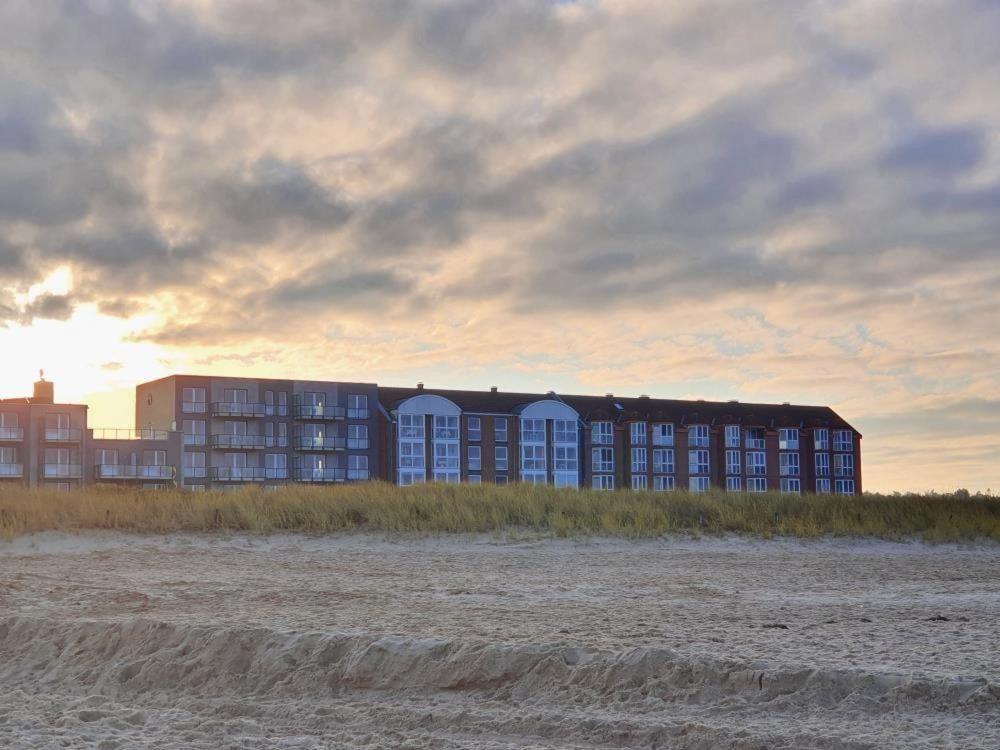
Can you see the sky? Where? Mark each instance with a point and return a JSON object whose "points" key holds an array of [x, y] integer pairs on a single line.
{"points": [[763, 201]]}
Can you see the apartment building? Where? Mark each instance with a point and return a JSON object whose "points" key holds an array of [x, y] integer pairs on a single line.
{"points": [[207, 432], [235, 431]]}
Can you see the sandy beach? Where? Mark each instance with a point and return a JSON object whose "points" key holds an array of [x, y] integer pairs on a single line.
{"points": [[117, 641]]}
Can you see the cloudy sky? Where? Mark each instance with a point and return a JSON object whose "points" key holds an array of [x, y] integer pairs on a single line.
{"points": [[785, 201]]}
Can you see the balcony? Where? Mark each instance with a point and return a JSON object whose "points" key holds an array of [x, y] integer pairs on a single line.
{"points": [[62, 435], [11, 471], [11, 434], [329, 443], [227, 409], [129, 471], [319, 475], [62, 471], [247, 474], [245, 442], [310, 411], [111, 433]]}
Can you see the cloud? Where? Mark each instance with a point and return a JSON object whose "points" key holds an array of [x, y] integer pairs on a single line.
{"points": [[570, 194]]}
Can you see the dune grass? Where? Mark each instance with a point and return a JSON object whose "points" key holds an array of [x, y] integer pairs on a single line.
{"points": [[437, 508]]}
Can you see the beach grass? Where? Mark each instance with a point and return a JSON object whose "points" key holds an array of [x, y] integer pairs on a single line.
{"points": [[440, 508]]}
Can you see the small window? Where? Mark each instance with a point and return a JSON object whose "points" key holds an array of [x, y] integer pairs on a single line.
{"points": [[500, 429], [698, 484], [637, 433], [357, 467], [788, 464], [732, 436], [475, 458], [756, 484], [603, 482], [698, 462], [564, 431], [843, 465], [445, 428], [733, 462], [603, 459], [788, 439], [823, 486], [638, 461], [500, 457], [475, 479], [843, 440], [663, 484], [639, 482], [844, 486], [756, 463], [663, 460], [698, 436], [474, 429], [532, 430], [602, 433], [823, 466], [663, 433], [821, 439], [791, 486], [357, 406], [755, 437], [501, 479], [734, 484]]}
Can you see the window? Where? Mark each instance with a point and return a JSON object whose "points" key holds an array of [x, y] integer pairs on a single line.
{"points": [[406, 478], [268, 434], [565, 458], [193, 400], [193, 431], [411, 455], [446, 456], [756, 484], [234, 428], [821, 439], [8, 419], [275, 466], [843, 440], [843, 465], [755, 438], [637, 433], [603, 459], [823, 486], [9, 428], [732, 436], [357, 406], [411, 426], [663, 433], [788, 439], [639, 482], [663, 484], [698, 462], [663, 460], [638, 460], [500, 457], [793, 486], [269, 403], [788, 464], [533, 458], [475, 457], [445, 428], [282, 404], [501, 479], [734, 484], [602, 433], [313, 400], [194, 464], [57, 427], [823, 465], [234, 395], [844, 486], [500, 429], [357, 437], [733, 462], [282, 434], [474, 429], [564, 431], [698, 436], [698, 484], [532, 430], [756, 463], [357, 467], [475, 479], [564, 479], [102, 456], [603, 482], [154, 458]]}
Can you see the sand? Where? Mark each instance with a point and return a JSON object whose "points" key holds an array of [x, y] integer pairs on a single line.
{"points": [[116, 641]]}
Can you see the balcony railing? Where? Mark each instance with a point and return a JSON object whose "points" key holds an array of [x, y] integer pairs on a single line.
{"points": [[328, 443], [129, 471], [252, 442], [247, 473], [11, 470], [110, 433], [357, 474], [319, 475], [309, 411], [11, 433], [227, 409], [63, 435], [62, 471]]}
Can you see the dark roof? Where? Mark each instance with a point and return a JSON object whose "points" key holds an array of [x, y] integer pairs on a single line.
{"points": [[623, 409]]}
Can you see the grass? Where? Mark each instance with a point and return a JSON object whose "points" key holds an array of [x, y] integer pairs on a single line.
{"points": [[437, 508]]}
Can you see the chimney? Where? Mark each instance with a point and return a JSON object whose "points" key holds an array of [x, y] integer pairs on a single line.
{"points": [[609, 395], [420, 386], [644, 396], [45, 392], [493, 389]]}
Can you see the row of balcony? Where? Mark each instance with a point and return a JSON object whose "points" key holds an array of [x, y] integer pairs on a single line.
{"points": [[50, 435], [252, 410], [261, 474], [261, 442]]}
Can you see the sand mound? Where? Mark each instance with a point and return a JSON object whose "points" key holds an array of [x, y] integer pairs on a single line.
{"points": [[555, 693]]}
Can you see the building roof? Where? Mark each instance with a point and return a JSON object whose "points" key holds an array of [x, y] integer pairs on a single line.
{"points": [[622, 409]]}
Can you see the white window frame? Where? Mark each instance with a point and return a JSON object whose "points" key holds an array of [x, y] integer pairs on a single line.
{"points": [[603, 481], [788, 464], [639, 482], [663, 434], [821, 439], [602, 459], [844, 486], [843, 464], [791, 485], [823, 486], [699, 462], [699, 484], [734, 463], [357, 467], [788, 439], [473, 429], [732, 436], [843, 440], [639, 463], [357, 406], [822, 464], [637, 433], [663, 483], [475, 457], [756, 484], [698, 436], [664, 461], [756, 463], [734, 484], [500, 429], [602, 433], [500, 457], [755, 438]]}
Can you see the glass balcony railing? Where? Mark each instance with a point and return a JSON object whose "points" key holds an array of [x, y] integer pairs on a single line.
{"points": [[63, 435], [11, 433], [319, 475], [252, 442], [325, 443], [128, 471], [62, 471], [11, 470], [316, 411], [227, 409], [111, 433], [247, 473]]}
